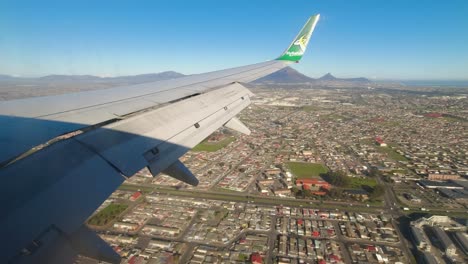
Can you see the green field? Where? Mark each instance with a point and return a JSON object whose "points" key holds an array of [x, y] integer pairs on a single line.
{"points": [[213, 146], [129, 187], [306, 170], [219, 189], [107, 214], [390, 124], [367, 141], [356, 182], [310, 108], [392, 153]]}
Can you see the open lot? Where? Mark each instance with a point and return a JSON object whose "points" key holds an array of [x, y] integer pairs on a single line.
{"points": [[357, 183], [392, 153], [213, 146], [429, 198], [107, 214], [306, 170]]}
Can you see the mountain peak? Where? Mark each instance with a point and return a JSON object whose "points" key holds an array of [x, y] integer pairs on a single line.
{"points": [[327, 77], [289, 75], [285, 75]]}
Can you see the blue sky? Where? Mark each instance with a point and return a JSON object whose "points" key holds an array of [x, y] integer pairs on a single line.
{"points": [[397, 39]]}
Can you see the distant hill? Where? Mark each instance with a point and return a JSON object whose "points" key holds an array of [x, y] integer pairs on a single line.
{"points": [[286, 75], [289, 75], [65, 78], [150, 77], [133, 79], [330, 77], [19, 87], [4, 77]]}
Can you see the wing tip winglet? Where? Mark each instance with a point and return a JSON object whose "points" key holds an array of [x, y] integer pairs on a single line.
{"points": [[298, 46]]}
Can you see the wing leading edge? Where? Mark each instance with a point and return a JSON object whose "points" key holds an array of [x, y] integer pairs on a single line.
{"points": [[52, 183]]}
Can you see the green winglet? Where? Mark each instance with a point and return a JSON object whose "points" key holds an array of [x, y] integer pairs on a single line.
{"points": [[297, 48]]}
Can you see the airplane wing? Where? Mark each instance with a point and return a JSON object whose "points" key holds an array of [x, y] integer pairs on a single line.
{"points": [[62, 156]]}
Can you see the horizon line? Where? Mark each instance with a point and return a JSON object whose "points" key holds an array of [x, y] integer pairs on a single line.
{"points": [[147, 73]]}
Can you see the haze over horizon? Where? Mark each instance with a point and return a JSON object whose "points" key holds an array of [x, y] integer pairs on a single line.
{"points": [[396, 40]]}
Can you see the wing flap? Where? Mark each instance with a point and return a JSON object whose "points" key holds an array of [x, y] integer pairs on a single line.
{"points": [[171, 128], [80, 110]]}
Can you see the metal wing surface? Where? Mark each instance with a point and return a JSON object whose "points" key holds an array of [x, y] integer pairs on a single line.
{"points": [[62, 156]]}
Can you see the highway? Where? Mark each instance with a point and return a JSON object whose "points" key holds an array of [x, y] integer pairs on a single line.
{"points": [[392, 208], [257, 199]]}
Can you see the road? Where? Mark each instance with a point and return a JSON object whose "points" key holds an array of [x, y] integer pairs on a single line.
{"points": [[391, 207], [264, 200], [272, 234]]}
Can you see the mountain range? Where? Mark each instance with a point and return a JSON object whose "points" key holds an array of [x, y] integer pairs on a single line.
{"points": [[133, 79], [19, 87], [289, 75], [286, 75]]}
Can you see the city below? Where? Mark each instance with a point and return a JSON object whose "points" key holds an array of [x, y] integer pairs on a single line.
{"points": [[234, 132], [334, 171]]}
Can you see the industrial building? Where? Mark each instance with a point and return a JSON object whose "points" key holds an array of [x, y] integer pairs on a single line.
{"points": [[428, 258], [447, 245], [439, 184], [462, 240], [420, 239]]}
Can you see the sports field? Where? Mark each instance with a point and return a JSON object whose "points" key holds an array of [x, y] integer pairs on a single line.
{"points": [[306, 170], [213, 146]]}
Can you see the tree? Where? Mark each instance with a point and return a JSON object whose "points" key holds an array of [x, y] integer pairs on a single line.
{"points": [[374, 172], [243, 257], [294, 190], [377, 191], [335, 193], [387, 178], [307, 193], [338, 178]]}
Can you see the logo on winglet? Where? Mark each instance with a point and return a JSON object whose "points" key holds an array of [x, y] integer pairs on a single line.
{"points": [[301, 42]]}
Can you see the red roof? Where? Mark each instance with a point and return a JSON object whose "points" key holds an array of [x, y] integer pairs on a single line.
{"points": [[434, 115], [322, 261], [371, 248], [319, 193], [136, 195], [256, 258], [316, 233], [310, 181]]}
